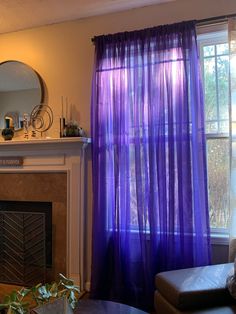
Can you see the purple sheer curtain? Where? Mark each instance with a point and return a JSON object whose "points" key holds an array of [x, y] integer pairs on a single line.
{"points": [[150, 210]]}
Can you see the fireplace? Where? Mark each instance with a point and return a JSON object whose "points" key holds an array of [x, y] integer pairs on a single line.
{"points": [[54, 171], [25, 242], [28, 194]]}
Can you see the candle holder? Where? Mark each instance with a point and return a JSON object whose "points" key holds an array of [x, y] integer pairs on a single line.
{"points": [[26, 125]]}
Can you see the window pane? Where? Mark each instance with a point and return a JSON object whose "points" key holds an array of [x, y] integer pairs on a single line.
{"points": [[210, 89], [222, 49], [218, 182], [211, 127], [224, 126], [208, 51], [223, 86]]}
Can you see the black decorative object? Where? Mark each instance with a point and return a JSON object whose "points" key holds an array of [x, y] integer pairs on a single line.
{"points": [[41, 119], [8, 132], [62, 126]]}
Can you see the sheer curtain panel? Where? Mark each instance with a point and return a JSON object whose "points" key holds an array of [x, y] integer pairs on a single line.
{"points": [[150, 208]]}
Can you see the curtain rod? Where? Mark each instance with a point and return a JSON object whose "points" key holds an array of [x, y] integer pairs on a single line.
{"points": [[215, 19], [202, 22]]}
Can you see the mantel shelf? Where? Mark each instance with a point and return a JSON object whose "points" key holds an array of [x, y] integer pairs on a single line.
{"points": [[63, 140]]}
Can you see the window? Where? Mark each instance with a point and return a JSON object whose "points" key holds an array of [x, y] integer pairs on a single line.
{"points": [[214, 53]]}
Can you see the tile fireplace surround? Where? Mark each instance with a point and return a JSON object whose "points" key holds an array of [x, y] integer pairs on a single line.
{"points": [[62, 165]]}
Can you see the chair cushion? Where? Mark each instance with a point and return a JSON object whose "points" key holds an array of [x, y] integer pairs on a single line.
{"points": [[164, 307], [196, 287]]}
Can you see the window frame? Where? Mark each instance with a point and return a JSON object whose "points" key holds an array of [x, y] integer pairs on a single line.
{"points": [[213, 35]]}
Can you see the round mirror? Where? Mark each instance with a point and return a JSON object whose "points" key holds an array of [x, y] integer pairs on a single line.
{"points": [[21, 89]]}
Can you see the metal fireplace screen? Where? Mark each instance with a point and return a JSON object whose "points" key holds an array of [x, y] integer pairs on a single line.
{"points": [[23, 252]]}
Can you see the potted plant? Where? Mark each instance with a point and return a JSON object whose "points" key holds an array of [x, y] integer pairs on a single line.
{"points": [[15, 303], [64, 294]]}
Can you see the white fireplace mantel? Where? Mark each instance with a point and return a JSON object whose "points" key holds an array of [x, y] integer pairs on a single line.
{"points": [[59, 155]]}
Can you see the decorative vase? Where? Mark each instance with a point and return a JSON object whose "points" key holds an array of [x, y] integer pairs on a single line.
{"points": [[7, 134]]}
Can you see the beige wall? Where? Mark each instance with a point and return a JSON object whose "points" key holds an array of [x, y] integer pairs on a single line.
{"points": [[63, 53]]}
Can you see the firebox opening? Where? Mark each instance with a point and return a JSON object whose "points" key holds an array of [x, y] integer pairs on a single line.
{"points": [[26, 240]]}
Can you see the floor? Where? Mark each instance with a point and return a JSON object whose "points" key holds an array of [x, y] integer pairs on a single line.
{"points": [[7, 289]]}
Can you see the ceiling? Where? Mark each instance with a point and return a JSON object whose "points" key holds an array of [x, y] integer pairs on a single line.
{"points": [[21, 14]]}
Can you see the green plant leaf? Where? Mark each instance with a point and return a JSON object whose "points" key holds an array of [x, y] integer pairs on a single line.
{"points": [[62, 293], [54, 290], [3, 306], [44, 292], [6, 299], [72, 300], [20, 311], [25, 304], [15, 304], [65, 280], [69, 287], [72, 295], [77, 289], [24, 292], [35, 288], [73, 304], [13, 296], [9, 311]]}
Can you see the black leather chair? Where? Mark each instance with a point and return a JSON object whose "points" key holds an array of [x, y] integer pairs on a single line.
{"points": [[194, 290]]}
